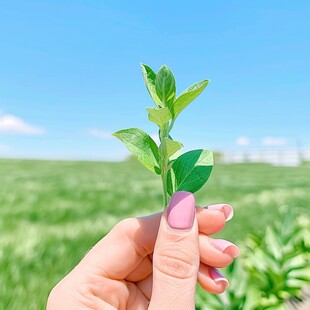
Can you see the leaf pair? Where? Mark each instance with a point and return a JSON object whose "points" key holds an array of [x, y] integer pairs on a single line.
{"points": [[162, 88], [189, 172]]}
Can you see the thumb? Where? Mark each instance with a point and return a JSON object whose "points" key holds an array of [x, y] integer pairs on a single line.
{"points": [[176, 256]]}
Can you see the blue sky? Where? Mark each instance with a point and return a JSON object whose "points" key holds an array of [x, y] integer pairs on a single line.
{"points": [[70, 73]]}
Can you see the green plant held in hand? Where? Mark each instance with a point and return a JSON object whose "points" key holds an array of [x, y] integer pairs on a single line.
{"points": [[191, 170]]}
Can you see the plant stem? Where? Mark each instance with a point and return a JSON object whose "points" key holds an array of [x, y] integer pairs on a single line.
{"points": [[171, 125], [164, 133], [165, 196]]}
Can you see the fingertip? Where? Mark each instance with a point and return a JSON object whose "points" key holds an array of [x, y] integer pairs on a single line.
{"points": [[210, 221], [228, 211], [223, 207], [219, 279], [226, 247], [211, 280]]}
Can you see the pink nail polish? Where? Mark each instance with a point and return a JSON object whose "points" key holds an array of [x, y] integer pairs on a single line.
{"points": [[225, 208], [181, 211], [226, 247], [218, 277]]}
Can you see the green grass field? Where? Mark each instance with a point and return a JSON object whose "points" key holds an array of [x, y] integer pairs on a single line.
{"points": [[52, 212]]}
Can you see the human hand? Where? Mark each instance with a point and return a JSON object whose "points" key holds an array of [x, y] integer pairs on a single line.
{"points": [[152, 262]]}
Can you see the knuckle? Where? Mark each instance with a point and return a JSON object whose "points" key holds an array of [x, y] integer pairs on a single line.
{"points": [[124, 225], [176, 263]]}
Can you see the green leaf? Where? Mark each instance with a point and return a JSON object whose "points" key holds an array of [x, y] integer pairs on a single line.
{"points": [[190, 171], [189, 95], [168, 147], [159, 116], [301, 274], [252, 298], [273, 243], [165, 86], [142, 146], [149, 77]]}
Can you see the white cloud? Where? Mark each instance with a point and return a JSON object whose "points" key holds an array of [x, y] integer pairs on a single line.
{"points": [[243, 141], [274, 141], [14, 125], [100, 133]]}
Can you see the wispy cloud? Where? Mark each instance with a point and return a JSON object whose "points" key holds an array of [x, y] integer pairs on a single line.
{"points": [[243, 141], [100, 133], [274, 141], [14, 125]]}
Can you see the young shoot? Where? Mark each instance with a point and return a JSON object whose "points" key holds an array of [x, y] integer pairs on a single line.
{"points": [[191, 170]]}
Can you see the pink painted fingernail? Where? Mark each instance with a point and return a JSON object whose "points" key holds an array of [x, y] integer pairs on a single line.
{"points": [[225, 208], [181, 211], [226, 247], [218, 278]]}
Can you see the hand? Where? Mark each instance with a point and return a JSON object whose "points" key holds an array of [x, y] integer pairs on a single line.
{"points": [[152, 262]]}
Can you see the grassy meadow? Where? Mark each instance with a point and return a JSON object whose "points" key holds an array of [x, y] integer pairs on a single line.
{"points": [[52, 212]]}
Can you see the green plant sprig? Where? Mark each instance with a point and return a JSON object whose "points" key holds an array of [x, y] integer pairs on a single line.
{"points": [[191, 170]]}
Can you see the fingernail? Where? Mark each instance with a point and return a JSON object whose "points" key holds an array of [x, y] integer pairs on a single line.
{"points": [[226, 247], [218, 278], [225, 208], [181, 211]]}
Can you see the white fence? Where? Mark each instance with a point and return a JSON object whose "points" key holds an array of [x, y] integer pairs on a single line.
{"points": [[287, 157]]}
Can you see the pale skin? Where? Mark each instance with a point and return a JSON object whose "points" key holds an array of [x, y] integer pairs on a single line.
{"points": [[144, 264]]}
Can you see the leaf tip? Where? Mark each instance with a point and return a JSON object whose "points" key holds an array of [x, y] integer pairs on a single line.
{"points": [[115, 134], [204, 83], [164, 67]]}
